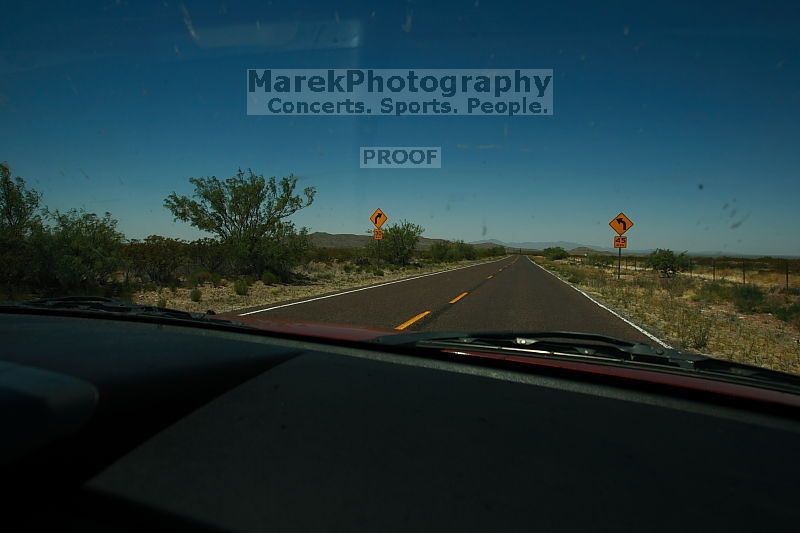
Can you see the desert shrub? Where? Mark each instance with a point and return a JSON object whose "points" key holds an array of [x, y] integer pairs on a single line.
{"points": [[715, 291], [377, 272], [494, 251], [200, 276], [575, 275], [241, 286], [438, 251], [269, 278], [462, 250], [155, 258], [676, 286], [162, 302], [693, 328], [398, 244], [209, 254], [80, 251], [788, 313], [667, 262], [196, 294], [554, 253], [747, 298]]}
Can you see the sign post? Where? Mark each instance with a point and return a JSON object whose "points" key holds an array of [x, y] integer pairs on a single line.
{"points": [[620, 224]]}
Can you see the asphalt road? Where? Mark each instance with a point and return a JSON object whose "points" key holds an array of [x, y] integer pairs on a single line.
{"points": [[509, 294]]}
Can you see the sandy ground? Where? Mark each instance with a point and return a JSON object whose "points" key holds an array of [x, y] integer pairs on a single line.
{"points": [[681, 320], [323, 279]]}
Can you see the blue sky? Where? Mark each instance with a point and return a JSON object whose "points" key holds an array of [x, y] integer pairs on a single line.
{"points": [[685, 118]]}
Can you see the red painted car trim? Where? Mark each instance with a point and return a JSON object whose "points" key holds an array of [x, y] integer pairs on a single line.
{"points": [[688, 382], [339, 332], [704, 384]]}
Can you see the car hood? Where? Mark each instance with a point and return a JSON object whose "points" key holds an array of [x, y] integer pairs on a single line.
{"points": [[345, 332]]}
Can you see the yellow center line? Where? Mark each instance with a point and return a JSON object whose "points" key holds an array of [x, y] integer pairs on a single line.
{"points": [[457, 298], [411, 320]]}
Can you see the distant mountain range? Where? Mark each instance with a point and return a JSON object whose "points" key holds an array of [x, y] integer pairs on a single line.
{"points": [[347, 240], [321, 239], [573, 247]]}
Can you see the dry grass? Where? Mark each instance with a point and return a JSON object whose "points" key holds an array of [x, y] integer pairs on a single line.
{"points": [[684, 312], [318, 278], [766, 279]]}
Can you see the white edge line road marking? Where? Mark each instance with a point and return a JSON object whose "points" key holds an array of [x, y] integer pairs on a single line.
{"points": [[367, 288], [634, 326]]}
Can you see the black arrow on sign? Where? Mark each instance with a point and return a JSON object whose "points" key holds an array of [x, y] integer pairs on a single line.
{"points": [[379, 215], [624, 224]]}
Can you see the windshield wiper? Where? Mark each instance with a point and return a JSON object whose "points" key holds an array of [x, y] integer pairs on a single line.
{"points": [[113, 306], [590, 346]]}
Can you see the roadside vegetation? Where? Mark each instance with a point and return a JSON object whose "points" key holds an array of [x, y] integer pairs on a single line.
{"points": [[254, 254], [757, 322]]}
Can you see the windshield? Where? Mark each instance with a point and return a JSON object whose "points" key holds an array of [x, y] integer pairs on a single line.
{"points": [[627, 170]]}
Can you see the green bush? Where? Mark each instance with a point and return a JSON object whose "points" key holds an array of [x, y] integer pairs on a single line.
{"points": [[446, 251], [667, 262], [196, 294], [200, 276], [79, 252], [210, 254], [268, 278], [162, 302], [555, 253], [241, 286], [439, 251], [155, 258], [398, 244], [377, 272]]}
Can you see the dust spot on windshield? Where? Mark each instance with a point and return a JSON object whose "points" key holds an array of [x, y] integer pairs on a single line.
{"points": [[740, 221], [406, 26], [187, 21]]}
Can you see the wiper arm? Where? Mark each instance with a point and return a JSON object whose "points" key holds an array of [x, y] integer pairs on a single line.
{"points": [[568, 342], [590, 346], [113, 306]]}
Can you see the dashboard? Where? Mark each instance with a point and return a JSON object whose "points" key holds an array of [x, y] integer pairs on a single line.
{"points": [[126, 425]]}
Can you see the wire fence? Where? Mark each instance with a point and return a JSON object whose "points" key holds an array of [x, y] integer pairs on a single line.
{"points": [[767, 272]]}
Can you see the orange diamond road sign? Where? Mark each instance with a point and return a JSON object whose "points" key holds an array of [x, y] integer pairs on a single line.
{"points": [[621, 223], [377, 234], [378, 218], [620, 242]]}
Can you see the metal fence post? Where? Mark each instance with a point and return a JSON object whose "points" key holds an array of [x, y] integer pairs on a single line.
{"points": [[713, 269]]}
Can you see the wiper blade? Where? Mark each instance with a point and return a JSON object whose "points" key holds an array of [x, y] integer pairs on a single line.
{"points": [[113, 306], [591, 347], [566, 342]]}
